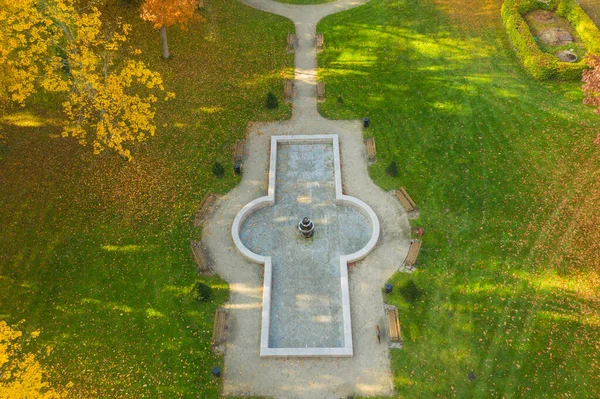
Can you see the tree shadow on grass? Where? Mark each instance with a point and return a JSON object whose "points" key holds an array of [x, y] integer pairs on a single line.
{"points": [[485, 151]]}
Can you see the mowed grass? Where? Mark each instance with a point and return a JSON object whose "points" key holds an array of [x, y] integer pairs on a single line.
{"points": [[506, 176], [95, 251]]}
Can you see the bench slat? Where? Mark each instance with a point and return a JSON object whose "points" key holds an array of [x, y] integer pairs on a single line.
{"points": [[319, 41], [288, 90], [238, 153], [204, 207], [413, 252], [219, 327], [321, 91], [405, 200], [291, 41], [371, 148], [199, 256], [403, 190], [393, 324]]}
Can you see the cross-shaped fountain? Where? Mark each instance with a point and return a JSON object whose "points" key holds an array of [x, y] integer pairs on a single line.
{"points": [[306, 308]]}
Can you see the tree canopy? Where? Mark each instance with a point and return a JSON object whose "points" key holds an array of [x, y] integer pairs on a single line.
{"points": [[165, 13], [21, 374], [170, 12], [52, 46]]}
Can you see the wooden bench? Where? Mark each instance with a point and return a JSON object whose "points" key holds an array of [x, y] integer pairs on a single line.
{"points": [[393, 325], [219, 327], [291, 41], [413, 252], [204, 207], [238, 152], [320, 91], [405, 200], [288, 90], [371, 148], [199, 256], [319, 41]]}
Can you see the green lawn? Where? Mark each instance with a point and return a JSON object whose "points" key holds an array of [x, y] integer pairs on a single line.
{"points": [[95, 250], [506, 176]]}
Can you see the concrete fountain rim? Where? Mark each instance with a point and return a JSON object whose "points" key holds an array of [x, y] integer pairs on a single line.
{"points": [[269, 200]]}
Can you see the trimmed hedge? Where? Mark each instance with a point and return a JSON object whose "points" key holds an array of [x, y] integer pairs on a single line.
{"points": [[544, 66], [529, 5], [584, 26]]}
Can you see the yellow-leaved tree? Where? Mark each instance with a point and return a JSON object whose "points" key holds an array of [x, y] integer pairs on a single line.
{"points": [[26, 41], [102, 99], [165, 13], [21, 374], [110, 96]]}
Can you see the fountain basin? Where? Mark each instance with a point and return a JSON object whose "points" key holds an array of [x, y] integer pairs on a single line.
{"points": [[306, 306]]}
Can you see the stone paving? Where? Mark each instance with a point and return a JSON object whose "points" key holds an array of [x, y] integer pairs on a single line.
{"points": [[367, 373]]}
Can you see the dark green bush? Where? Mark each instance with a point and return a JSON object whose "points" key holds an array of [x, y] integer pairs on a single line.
{"points": [[392, 169], [410, 292], [218, 170], [201, 292], [340, 101], [272, 102], [540, 65]]}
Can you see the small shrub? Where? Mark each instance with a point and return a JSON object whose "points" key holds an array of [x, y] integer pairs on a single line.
{"points": [[272, 102], [218, 170], [340, 101], [410, 292], [392, 169], [201, 292]]}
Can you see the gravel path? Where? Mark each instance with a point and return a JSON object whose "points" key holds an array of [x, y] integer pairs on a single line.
{"points": [[368, 371]]}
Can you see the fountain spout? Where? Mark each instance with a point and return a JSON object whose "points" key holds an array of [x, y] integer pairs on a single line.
{"points": [[306, 227]]}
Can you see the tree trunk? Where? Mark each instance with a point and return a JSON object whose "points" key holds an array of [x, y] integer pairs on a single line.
{"points": [[165, 45]]}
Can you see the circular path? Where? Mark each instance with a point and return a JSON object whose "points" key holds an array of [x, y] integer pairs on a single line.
{"points": [[367, 373]]}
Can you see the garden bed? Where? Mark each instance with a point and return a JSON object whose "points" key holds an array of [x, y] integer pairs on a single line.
{"points": [[541, 32], [555, 35]]}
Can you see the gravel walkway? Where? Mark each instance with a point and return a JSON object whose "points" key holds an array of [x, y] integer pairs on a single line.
{"points": [[368, 371]]}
